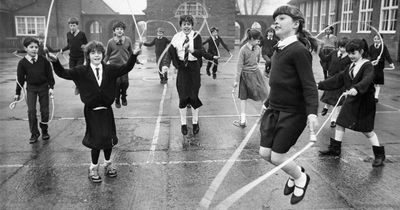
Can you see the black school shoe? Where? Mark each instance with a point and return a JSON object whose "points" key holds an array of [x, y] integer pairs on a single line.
{"points": [[34, 138], [324, 111], [184, 129], [196, 128], [117, 103], [45, 135], [124, 102], [289, 190], [295, 199]]}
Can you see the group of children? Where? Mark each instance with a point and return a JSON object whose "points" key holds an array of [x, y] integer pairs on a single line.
{"points": [[289, 106]]}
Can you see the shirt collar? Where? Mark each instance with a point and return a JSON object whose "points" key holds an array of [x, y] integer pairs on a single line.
{"points": [[29, 58], [116, 39], [94, 67], [287, 41]]}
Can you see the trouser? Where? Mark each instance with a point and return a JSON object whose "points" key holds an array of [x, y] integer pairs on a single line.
{"points": [[31, 99], [95, 153], [215, 67], [122, 85]]}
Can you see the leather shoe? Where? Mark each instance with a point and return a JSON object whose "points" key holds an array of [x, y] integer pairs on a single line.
{"points": [[333, 124], [196, 128], [184, 130], [324, 111], [289, 190], [295, 199]]}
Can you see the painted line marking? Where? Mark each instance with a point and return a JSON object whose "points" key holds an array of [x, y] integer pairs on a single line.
{"points": [[157, 128], [209, 195]]}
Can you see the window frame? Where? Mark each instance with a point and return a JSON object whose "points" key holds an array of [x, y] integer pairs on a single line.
{"points": [[26, 24], [308, 15], [347, 15], [315, 13], [366, 11], [322, 16], [390, 9], [185, 11], [332, 12]]}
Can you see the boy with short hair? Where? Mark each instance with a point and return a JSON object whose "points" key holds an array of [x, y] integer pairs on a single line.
{"points": [[76, 40], [117, 52], [213, 43], [36, 71], [160, 43], [42, 49]]}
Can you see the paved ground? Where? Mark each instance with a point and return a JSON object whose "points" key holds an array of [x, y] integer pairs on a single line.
{"points": [[156, 172]]}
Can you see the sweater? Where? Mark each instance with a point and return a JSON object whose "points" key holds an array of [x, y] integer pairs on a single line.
{"points": [[267, 46], [248, 60], [38, 74], [293, 87], [75, 44], [160, 44], [116, 53]]}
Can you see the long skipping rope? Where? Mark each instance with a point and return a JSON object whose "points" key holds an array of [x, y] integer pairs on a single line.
{"points": [[14, 103], [225, 204], [313, 137]]}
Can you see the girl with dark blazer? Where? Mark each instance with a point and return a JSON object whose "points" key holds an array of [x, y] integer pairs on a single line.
{"points": [[186, 54], [97, 82], [358, 110]]}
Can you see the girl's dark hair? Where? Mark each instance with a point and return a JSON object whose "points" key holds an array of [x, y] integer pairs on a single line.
{"points": [[186, 18], [253, 33], [269, 30], [119, 24], [93, 46], [343, 42], [358, 45], [378, 34], [303, 35], [29, 40]]}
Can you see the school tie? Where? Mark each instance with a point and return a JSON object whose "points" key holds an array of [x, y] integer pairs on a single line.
{"points": [[352, 70], [97, 73], [33, 60], [340, 55], [186, 58]]}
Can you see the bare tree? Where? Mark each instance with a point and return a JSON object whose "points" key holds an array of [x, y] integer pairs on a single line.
{"points": [[254, 5]]}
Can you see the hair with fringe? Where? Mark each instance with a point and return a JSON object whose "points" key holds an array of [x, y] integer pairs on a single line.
{"points": [[73, 20], [29, 40], [358, 45], [119, 24], [303, 35], [186, 18], [212, 29], [93, 46], [343, 42], [253, 33]]}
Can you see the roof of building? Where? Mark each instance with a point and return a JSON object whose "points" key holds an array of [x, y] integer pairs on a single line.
{"points": [[96, 7]]}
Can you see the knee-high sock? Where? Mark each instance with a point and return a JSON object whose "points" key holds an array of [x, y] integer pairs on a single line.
{"points": [[195, 115], [374, 140], [335, 114], [183, 116], [377, 90], [339, 132]]}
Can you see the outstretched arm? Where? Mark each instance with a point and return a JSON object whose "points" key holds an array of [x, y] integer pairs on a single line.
{"points": [[128, 66]]}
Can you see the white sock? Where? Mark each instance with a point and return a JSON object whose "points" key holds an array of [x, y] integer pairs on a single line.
{"points": [[92, 166], [107, 161], [374, 140], [242, 117], [195, 115], [300, 182], [291, 180], [335, 114], [326, 106], [377, 90], [183, 116]]}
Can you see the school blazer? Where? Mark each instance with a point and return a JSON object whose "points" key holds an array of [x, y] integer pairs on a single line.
{"points": [[91, 94]]}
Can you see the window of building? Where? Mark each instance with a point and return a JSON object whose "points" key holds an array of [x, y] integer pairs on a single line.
{"points": [[191, 8], [95, 28], [365, 17], [322, 16], [302, 8], [308, 15], [29, 25], [388, 19], [347, 14], [332, 12], [315, 17]]}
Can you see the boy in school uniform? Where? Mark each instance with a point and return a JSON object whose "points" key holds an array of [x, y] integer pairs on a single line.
{"points": [[160, 43], [117, 52], [36, 71], [267, 48], [97, 82], [42, 49], [213, 43], [76, 41]]}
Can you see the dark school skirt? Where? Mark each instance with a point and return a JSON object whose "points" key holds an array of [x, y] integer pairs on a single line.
{"points": [[252, 85], [100, 128], [280, 130], [379, 78]]}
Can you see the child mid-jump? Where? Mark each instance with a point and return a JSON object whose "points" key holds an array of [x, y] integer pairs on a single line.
{"points": [[358, 110], [36, 71], [97, 82], [337, 61], [213, 43], [293, 98], [160, 43], [117, 52], [252, 85]]}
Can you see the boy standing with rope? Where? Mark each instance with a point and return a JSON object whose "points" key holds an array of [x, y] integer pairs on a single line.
{"points": [[36, 71]]}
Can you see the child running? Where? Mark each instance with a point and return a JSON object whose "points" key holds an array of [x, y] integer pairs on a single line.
{"points": [[213, 44], [36, 71], [358, 110], [293, 98], [252, 85], [97, 83], [337, 61]]}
